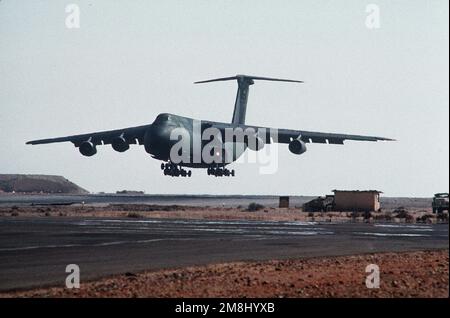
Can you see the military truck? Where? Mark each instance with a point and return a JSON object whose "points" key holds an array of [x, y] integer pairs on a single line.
{"points": [[320, 204], [440, 203]]}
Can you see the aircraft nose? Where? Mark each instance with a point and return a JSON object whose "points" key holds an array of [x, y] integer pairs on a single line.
{"points": [[157, 138], [160, 133]]}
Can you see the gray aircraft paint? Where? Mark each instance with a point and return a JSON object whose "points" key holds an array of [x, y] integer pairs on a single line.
{"points": [[158, 139]]}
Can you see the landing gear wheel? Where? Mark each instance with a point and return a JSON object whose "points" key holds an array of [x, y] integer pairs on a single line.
{"points": [[173, 170], [220, 172]]}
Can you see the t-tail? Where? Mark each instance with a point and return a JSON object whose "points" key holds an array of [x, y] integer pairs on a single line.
{"points": [[244, 82]]}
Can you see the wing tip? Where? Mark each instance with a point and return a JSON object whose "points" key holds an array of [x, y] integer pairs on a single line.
{"points": [[387, 139]]}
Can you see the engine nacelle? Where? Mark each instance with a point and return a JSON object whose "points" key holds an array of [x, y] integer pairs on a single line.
{"points": [[254, 143], [297, 146], [87, 149], [120, 144]]}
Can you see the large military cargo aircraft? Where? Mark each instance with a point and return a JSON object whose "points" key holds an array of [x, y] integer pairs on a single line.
{"points": [[186, 142]]}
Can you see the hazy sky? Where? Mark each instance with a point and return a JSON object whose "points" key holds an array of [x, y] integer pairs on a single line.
{"points": [[131, 60]]}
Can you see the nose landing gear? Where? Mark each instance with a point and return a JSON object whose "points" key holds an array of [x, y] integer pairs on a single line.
{"points": [[173, 170], [220, 172]]}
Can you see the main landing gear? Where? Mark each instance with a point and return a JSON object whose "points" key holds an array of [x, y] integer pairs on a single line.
{"points": [[173, 170], [220, 172]]}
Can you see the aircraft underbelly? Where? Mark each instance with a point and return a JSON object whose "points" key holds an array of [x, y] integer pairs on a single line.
{"points": [[177, 141], [230, 153]]}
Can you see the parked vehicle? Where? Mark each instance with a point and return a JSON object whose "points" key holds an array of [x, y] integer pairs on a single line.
{"points": [[440, 203], [320, 204]]}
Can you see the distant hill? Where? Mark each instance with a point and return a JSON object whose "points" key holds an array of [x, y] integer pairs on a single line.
{"points": [[33, 183]]}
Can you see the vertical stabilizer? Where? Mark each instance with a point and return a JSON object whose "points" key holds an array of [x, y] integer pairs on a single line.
{"points": [[240, 105], [244, 82]]}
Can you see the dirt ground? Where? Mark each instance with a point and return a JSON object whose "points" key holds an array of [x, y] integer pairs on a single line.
{"points": [[410, 215], [409, 274]]}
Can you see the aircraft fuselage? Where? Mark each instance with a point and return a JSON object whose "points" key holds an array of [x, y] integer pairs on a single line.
{"points": [[168, 129]]}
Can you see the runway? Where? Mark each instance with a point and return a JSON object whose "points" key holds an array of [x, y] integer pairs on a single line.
{"points": [[105, 199], [35, 251]]}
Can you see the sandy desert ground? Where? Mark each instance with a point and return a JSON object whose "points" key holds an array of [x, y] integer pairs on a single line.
{"points": [[408, 274], [408, 215]]}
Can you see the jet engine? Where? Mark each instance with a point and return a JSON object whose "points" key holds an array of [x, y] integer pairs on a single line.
{"points": [[120, 144], [297, 146], [87, 149]]}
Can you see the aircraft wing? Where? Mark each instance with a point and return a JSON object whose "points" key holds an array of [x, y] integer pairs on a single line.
{"points": [[285, 136], [132, 135]]}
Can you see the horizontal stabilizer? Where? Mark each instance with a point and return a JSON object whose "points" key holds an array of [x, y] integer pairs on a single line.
{"points": [[248, 77], [244, 81]]}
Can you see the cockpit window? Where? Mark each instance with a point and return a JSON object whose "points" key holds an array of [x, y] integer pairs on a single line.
{"points": [[162, 118]]}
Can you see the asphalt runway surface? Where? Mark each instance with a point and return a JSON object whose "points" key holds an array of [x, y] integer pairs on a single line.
{"points": [[35, 251], [105, 199]]}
